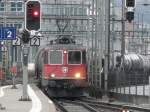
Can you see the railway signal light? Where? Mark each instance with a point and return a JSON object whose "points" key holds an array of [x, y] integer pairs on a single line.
{"points": [[130, 3], [33, 15]]}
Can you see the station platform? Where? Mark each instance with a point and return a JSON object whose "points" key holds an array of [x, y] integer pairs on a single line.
{"points": [[10, 100]]}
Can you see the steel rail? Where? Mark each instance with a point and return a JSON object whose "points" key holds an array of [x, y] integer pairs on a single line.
{"points": [[60, 106], [82, 104], [115, 106], [75, 103]]}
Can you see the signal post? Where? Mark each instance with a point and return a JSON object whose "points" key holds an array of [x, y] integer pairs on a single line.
{"points": [[32, 23]]}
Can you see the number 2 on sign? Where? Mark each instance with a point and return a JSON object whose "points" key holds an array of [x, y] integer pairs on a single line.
{"points": [[16, 42], [35, 40], [9, 34]]}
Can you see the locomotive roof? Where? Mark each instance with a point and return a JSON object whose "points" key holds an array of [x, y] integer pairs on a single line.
{"points": [[65, 46]]}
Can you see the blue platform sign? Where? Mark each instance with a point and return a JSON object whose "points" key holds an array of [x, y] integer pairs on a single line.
{"points": [[7, 33]]}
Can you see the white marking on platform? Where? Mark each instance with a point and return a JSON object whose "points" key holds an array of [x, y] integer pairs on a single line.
{"points": [[36, 103], [2, 90], [49, 101]]}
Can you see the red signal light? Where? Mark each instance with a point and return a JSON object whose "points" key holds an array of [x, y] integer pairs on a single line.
{"points": [[35, 13], [32, 15]]}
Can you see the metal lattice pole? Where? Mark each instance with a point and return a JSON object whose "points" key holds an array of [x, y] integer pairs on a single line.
{"points": [[107, 47], [92, 58], [123, 29], [113, 31]]}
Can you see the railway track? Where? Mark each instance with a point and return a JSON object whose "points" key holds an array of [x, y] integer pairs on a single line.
{"points": [[85, 105], [82, 106], [73, 106], [113, 106]]}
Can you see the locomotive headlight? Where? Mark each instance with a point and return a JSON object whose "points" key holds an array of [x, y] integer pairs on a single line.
{"points": [[53, 75], [77, 75], [65, 52]]}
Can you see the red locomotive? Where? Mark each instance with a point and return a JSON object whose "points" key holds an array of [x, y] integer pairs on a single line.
{"points": [[61, 68]]}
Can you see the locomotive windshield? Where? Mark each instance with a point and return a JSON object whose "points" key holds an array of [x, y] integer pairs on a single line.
{"points": [[56, 57], [74, 57]]}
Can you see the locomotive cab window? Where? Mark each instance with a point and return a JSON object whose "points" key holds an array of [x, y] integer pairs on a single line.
{"points": [[55, 57], [45, 55], [74, 57]]}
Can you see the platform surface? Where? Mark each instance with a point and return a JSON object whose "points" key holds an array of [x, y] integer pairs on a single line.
{"points": [[9, 99]]}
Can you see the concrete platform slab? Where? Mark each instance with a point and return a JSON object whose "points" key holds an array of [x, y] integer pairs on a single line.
{"points": [[9, 98]]}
